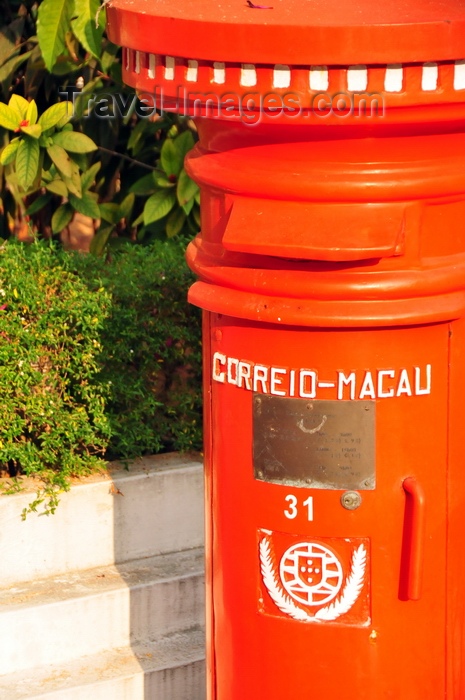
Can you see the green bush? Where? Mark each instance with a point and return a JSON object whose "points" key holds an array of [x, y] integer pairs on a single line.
{"points": [[53, 409], [98, 359], [151, 354]]}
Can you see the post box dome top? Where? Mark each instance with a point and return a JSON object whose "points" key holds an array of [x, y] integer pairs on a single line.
{"points": [[293, 31]]}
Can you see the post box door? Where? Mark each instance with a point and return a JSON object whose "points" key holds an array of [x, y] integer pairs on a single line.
{"points": [[317, 546]]}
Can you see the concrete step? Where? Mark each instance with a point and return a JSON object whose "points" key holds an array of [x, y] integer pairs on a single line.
{"points": [[170, 669], [155, 507], [58, 619]]}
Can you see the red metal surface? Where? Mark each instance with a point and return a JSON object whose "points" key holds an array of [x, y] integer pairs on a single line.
{"points": [[417, 536], [331, 268], [293, 31]]}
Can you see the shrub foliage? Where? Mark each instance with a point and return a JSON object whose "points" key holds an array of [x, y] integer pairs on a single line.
{"points": [[98, 359]]}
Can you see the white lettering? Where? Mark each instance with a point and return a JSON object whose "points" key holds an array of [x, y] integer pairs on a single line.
{"points": [[243, 375], [218, 360], [368, 388], [382, 392], [260, 376], [343, 381], [275, 381], [403, 386], [232, 362], [303, 375], [292, 382], [418, 390]]}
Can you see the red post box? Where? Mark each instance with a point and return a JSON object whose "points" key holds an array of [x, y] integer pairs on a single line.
{"points": [[331, 270]]}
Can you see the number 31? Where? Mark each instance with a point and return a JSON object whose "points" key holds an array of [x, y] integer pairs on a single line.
{"points": [[292, 510]]}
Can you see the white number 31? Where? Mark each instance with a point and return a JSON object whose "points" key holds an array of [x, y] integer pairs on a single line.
{"points": [[292, 510]]}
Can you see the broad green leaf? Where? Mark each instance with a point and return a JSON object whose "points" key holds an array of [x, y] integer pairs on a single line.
{"points": [[196, 215], [19, 105], [54, 114], [81, 161], [9, 152], [127, 205], [57, 187], [162, 181], [109, 211], [187, 207], [62, 217], [32, 114], [27, 162], [184, 143], [84, 27], [34, 131], [73, 183], [74, 142], [86, 205], [88, 178], [186, 188], [197, 198], [53, 21], [171, 159], [8, 70], [100, 240], [175, 222], [144, 185], [61, 159], [8, 117], [158, 205], [38, 204]]}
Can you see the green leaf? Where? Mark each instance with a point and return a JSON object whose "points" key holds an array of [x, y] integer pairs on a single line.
{"points": [[158, 205], [53, 21], [73, 183], [175, 222], [55, 114], [109, 211], [197, 198], [34, 131], [61, 159], [19, 105], [62, 217], [127, 205], [81, 161], [27, 162], [8, 70], [88, 178], [196, 215], [100, 240], [171, 158], [8, 117], [187, 207], [38, 204], [84, 27], [57, 187], [86, 205], [162, 181], [144, 185], [32, 114], [184, 143], [9, 152], [74, 142], [186, 188]]}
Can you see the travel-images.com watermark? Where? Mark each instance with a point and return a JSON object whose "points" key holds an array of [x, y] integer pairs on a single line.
{"points": [[250, 107]]}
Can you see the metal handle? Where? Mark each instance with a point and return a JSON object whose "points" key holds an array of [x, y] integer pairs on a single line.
{"points": [[417, 537]]}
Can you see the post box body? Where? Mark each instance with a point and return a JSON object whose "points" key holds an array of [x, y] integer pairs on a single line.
{"points": [[331, 267], [369, 640]]}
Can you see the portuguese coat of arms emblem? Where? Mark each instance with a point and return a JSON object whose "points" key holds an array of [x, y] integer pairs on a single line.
{"points": [[312, 582]]}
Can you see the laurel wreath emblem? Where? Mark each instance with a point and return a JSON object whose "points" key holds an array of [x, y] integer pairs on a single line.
{"points": [[341, 605]]}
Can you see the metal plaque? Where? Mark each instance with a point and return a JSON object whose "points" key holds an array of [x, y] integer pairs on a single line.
{"points": [[316, 444]]}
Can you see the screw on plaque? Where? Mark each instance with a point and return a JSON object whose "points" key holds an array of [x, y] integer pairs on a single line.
{"points": [[351, 500]]}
